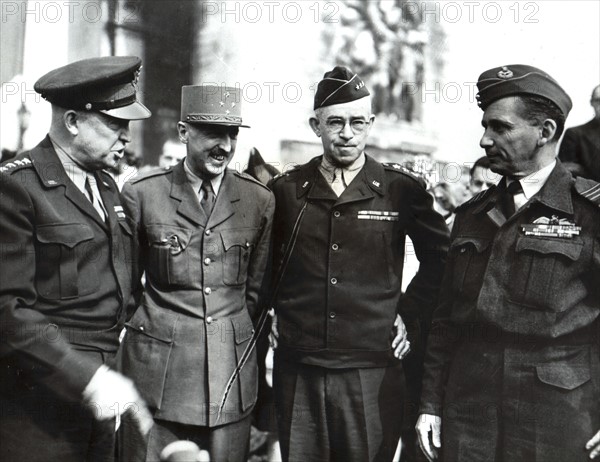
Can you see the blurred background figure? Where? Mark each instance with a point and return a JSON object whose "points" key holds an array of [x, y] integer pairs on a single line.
{"points": [[481, 177], [445, 202], [172, 152], [127, 167], [580, 147]]}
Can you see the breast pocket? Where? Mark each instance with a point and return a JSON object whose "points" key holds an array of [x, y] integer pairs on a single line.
{"points": [[238, 245], [469, 256], [66, 261], [538, 269], [168, 258]]}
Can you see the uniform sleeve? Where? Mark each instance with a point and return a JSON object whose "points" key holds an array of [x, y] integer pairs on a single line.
{"points": [[257, 281], [440, 344], [429, 234], [32, 341]]}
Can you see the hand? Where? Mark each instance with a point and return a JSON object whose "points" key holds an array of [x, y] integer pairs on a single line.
{"points": [[110, 394], [593, 445], [429, 423], [274, 334], [400, 343]]}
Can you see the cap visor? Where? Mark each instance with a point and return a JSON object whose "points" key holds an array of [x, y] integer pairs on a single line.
{"points": [[135, 111]]}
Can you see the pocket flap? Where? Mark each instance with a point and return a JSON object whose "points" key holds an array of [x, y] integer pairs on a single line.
{"points": [[155, 323], [69, 234], [164, 234], [564, 375], [242, 327], [462, 242], [569, 248], [243, 237]]}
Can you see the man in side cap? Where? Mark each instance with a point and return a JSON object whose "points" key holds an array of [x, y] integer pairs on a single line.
{"points": [[65, 283], [340, 316], [204, 233], [580, 147], [512, 366]]}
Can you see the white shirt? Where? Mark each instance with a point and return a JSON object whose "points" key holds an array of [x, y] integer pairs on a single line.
{"points": [[532, 184]]}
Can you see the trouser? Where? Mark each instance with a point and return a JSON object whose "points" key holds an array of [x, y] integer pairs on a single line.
{"points": [[341, 415]]}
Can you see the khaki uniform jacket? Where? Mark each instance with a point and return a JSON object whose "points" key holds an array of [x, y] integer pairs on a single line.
{"points": [[342, 288], [66, 274], [203, 280], [512, 362]]}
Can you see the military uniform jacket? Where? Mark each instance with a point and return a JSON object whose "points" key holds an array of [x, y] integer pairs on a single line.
{"points": [[203, 280], [66, 274], [581, 145], [512, 361], [342, 288]]}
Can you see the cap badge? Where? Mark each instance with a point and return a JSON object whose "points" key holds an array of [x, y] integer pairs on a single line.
{"points": [[505, 73], [359, 85], [88, 106]]}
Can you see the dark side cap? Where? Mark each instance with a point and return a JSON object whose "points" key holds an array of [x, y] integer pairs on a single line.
{"points": [[212, 105], [520, 79], [107, 85], [339, 86]]}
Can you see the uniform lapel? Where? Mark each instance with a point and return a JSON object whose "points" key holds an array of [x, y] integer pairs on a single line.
{"points": [[52, 174], [189, 205], [228, 195], [369, 182]]}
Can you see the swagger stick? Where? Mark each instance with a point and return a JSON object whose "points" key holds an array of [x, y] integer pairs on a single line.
{"points": [[265, 311]]}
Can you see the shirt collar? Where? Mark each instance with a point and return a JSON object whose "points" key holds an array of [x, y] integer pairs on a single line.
{"points": [[75, 173], [533, 182], [350, 172], [196, 181]]}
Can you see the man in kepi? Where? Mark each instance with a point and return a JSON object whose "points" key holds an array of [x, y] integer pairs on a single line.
{"points": [[204, 234], [66, 250], [338, 380], [512, 364]]}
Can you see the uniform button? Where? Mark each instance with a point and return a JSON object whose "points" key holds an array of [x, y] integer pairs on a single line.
{"points": [[209, 319], [332, 315], [207, 261], [142, 328], [247, 244], [463, 250], [336, 214], [207, 232], [334, 281], [207, 290], [334, 247]]}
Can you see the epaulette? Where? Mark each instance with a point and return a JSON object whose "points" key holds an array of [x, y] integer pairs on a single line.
{"points": [[588, 189], [476, 198], [250, 178], [398, 168], [15, 165], [286, 173], [149, 173]]}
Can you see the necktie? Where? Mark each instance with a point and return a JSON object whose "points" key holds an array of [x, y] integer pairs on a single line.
{"points": [[508, 198], [208, 197], [338, 184], [91, 187]]}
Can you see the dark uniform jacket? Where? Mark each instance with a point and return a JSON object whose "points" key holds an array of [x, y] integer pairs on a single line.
{"points": [[203, 279], [581, 145], [512, 362], [66, 274], [342, 288]]}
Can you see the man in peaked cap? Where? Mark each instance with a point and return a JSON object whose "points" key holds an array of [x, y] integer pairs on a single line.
{"points": [[339, 329], [512, 367], [65, 284], [204, 234]]}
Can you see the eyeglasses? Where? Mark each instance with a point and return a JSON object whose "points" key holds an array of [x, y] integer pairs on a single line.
{"points": [[337, 125]]}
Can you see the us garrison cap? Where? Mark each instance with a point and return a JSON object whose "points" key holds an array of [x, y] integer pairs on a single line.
{"points": [[107, 85], [340, 85], [212, 105], [520, 79]]}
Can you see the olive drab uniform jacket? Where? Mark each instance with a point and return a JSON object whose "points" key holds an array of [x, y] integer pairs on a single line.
{"points": [[342, 288], [203, 281], [512, 363], [66, 275]]}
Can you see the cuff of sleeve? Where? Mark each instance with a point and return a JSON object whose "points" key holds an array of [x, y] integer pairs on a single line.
{"points": [[73, 374], [431, 408]]}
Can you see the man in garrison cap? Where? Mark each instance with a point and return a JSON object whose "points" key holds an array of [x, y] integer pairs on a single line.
{"points": [[66, 247], [580, 147], [340, 315], [204, 233], [512, 367]]}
